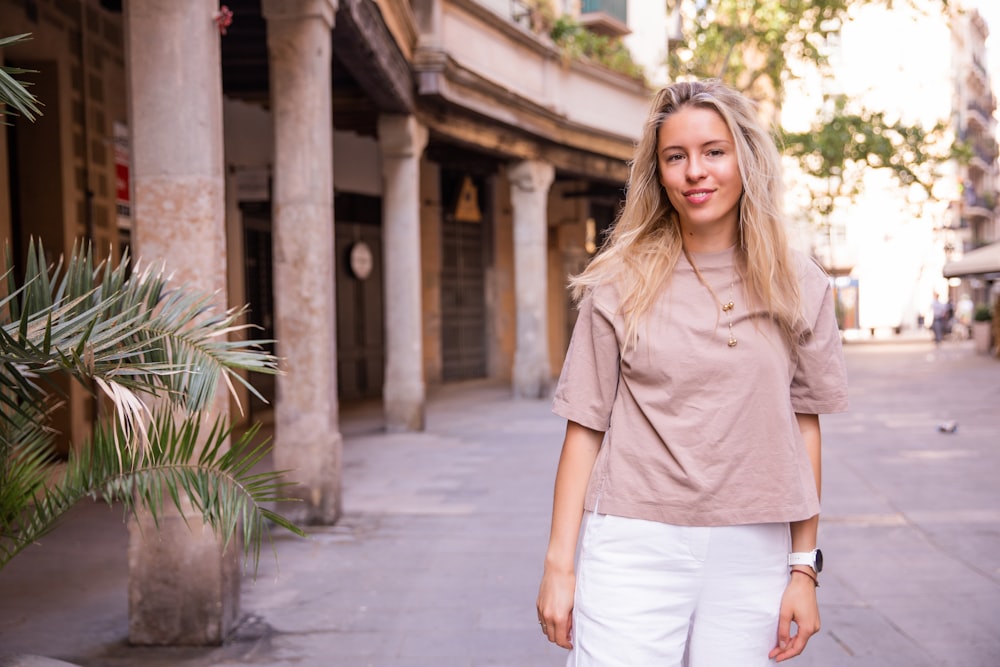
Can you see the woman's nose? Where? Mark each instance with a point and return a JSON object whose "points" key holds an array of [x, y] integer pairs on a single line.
{"points": [[695, 169]]}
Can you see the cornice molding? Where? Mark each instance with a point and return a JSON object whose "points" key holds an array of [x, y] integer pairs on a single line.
{"points": [[368, 49]]}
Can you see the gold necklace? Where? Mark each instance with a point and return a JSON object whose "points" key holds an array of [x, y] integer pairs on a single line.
{"points": [[727, 306]]}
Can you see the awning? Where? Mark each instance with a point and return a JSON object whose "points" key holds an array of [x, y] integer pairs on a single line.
{"points": [[975, 262]]}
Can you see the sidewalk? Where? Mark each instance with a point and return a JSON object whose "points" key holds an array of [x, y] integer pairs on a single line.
{"points": [[437, 559]]}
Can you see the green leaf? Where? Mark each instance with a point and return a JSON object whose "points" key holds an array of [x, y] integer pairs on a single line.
{"points": [[13, 92], [142, 343]]}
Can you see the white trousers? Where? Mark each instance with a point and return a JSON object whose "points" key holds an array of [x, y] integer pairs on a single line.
{"points": [[650, 594]]}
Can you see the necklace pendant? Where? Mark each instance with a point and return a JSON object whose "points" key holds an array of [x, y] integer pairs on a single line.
{"points": [[732, 342], [726, 307]]}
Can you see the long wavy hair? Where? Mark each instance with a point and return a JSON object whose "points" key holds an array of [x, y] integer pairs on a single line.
{"points": [[645, 242]]}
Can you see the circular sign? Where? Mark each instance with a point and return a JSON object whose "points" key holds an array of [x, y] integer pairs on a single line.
{"points": [[361, 260]]}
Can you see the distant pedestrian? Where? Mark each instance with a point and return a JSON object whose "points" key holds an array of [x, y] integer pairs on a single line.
{"points": [[704, 351], [941, 313]]}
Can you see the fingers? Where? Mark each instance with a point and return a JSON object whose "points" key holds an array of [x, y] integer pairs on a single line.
{"points": [[557, 630], [789, 647], [784, 634], [564, 633]]}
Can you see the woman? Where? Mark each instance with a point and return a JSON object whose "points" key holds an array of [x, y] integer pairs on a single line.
{"points": [[704, 351]]}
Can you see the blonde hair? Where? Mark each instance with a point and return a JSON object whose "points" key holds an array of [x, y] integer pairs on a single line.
{"points": [[643, 247]]}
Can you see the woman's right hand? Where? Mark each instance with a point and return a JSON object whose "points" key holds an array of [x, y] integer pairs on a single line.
{"points": [[555, 605]]}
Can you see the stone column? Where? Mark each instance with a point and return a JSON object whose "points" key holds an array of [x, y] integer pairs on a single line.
{"points": [[529, 191], [401, 141], [182, 588], [306, 418]]}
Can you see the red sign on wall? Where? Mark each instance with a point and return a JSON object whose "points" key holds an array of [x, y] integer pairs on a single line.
{"points": [[123, 189]]}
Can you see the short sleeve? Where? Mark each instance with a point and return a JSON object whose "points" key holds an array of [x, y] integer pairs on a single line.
{"points": [[819, 384], [588, 382]]}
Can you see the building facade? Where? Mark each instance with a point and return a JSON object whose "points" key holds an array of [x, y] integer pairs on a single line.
{"points": [[972, 237], [397, 188]]}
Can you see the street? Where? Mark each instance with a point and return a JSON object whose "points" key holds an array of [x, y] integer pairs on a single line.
{"points": [[437, 559]]}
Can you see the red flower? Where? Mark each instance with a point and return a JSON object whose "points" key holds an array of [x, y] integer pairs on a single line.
{"points": [[223, 18]]}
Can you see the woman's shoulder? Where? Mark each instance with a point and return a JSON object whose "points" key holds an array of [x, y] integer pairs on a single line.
{"points": [[811, 274], [604, 296]]}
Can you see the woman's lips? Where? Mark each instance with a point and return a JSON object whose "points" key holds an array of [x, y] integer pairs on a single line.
{"points": [[697, 196]]}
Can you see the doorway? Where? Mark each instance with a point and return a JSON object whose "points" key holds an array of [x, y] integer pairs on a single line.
{"points": [[463, 276]]}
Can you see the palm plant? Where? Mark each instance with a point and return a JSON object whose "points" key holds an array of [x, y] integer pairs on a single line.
{"points": [[156, 355]]}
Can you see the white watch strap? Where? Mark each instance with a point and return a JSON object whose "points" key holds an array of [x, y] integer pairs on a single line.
{"points": [[802, 558]]}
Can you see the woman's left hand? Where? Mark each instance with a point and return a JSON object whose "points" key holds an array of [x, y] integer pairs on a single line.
{"points": [[798, 604]]}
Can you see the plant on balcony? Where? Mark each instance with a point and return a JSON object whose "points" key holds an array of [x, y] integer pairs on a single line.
{"points": [[541, 15], [575, 41]]}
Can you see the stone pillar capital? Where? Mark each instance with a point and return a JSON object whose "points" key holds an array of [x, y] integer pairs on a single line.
{"points": [[401, 136], [531, 175], [283, 10]]}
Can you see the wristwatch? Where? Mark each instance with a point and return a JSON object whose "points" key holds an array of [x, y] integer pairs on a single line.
{"points": [[813, 559]]}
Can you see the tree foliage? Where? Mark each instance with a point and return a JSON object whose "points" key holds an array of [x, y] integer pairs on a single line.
{"points": [[751, 43], [758, 46], [838, 148]]}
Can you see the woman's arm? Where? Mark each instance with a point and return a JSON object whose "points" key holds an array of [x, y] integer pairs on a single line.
{"points": [[799, 601], [555, 595], [804, 532]]}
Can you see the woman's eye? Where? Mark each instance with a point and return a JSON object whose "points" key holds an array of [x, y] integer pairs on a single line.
{"points": [[716, 152]]}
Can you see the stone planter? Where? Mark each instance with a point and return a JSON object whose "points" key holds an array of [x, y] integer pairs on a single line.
{"points": [[981, 336]]}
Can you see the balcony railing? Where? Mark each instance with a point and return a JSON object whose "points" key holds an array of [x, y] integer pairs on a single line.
{"points": [[616, 8]]}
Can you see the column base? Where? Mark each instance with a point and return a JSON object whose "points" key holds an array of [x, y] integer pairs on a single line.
{"points": [[531, 381], [315, 466], [405, 408], [183, 587]]}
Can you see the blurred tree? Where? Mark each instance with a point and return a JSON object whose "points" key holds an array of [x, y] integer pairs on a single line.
{"points": [[754, 44], [757, 46], [844, 142]]}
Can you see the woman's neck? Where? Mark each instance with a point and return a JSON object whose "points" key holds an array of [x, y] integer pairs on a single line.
{"points": [[703, 243]]}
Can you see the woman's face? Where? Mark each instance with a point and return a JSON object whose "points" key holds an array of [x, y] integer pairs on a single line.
{"points": [[697, 164]]}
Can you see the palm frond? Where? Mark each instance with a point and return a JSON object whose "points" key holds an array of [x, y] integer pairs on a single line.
{"points": [[26, 467], [14, 93], [130, 331], [181, 465], [133, 336]]}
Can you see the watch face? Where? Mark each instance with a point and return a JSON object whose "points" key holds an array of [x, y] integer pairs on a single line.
{"points": [[819, 561]]}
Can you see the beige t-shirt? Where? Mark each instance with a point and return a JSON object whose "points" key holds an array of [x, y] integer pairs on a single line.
{"points": [[698, 433]]}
